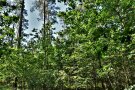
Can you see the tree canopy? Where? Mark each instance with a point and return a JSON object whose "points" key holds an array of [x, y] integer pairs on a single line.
{"points": [[95, 49]]}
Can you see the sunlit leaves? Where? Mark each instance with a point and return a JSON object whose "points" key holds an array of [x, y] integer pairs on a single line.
{"points": [[95, 49], [97, 32]]}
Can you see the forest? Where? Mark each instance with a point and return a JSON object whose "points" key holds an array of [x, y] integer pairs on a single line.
{"points": [[93, 50]]}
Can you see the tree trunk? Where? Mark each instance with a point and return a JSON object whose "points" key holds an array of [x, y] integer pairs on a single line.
{"points": [[20, 24], [19, 37], [15, 84]]}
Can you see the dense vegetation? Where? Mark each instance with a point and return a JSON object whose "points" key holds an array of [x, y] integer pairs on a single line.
{"points": [[95, 50]]}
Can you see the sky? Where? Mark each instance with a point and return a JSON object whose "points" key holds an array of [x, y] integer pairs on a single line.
{"points": [[32, 17]]}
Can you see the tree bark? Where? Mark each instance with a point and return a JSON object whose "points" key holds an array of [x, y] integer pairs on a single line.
{"points": [[20, 24], [19, 37]]}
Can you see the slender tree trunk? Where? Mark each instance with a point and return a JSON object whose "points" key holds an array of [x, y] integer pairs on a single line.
{"points": [[20, 24], [44, 43], [19, 37], [12, 37], [100, 66], [15, 83], [45, 35]]}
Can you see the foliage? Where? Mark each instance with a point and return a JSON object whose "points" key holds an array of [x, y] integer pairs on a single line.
{"points": [[94, 51]]}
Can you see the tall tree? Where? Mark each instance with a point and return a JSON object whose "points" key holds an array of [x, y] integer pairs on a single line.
{"points": [[94, 50], [20, 24], [100, 36]]}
